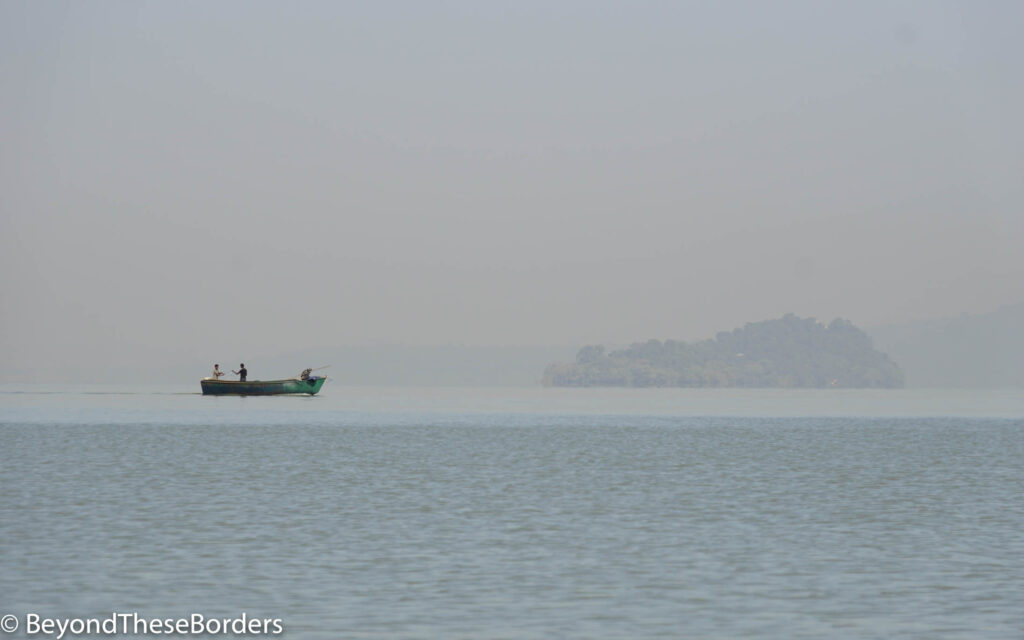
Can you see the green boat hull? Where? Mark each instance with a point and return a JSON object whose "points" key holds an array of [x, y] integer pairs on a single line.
{"points": [[261, 387]]}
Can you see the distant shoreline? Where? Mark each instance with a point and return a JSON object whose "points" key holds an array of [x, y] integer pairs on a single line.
{"points": [[789, 352]]}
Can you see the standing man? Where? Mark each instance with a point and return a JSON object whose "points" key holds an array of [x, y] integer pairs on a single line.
{"points": [[241, 372], [217, 373]]}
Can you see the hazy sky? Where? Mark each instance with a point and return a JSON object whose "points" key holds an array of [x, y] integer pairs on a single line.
{"points": [[212, 179]]}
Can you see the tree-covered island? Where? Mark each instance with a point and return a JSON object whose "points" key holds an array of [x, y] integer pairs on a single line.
{"points": [[787, 352]]}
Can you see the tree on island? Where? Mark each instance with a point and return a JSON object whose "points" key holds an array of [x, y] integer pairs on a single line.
{"points": [[787, 352]]}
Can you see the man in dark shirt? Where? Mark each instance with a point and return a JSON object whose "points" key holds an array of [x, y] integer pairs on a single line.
{"points": [[241, 372]]}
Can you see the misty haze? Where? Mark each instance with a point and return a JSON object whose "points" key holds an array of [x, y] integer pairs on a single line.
{"points": [[523, 320], [200, 183]]}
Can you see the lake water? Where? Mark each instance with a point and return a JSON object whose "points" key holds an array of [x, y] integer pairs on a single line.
{"points": [[519, 513]]}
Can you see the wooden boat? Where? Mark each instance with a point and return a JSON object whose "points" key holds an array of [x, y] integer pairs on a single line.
{"points": [[213, 387]]}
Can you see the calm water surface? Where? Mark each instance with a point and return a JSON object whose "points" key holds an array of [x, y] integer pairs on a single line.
{"points": [[404, 513]]}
